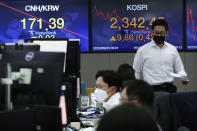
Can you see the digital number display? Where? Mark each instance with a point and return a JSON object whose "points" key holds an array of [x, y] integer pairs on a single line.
{"points": [[125, 25], [133, 24], [25, 19]]}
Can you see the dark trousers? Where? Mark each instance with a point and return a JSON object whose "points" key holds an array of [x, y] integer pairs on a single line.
{"points": [[166, 87]]}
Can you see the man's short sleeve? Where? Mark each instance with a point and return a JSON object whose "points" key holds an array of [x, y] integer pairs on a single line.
{"points": [[138, 61]]}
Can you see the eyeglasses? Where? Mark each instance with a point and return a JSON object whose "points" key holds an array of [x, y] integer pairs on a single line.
{"points": [[159, 33]]}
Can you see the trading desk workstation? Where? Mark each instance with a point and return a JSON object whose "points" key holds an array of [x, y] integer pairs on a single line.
{"points": [[39, 84], [40, 89]]}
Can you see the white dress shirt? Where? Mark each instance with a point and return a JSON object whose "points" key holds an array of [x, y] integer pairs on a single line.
{"points": [[112, 102], [157, 63]]}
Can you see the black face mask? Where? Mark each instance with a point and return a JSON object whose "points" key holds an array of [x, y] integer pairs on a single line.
{"points": [[159, 39]]}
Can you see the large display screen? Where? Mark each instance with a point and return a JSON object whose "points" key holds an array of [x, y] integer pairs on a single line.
{"points": [[25, 19], [191, 13], [125, 25]]}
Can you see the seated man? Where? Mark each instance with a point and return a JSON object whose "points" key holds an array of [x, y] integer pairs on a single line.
{"points": [[126, 72], [137, 92], [127, 117], [107, 88], [107, 93]]}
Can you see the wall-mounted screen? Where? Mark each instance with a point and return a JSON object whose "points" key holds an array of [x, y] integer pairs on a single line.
{"points": [[25, 19], [191, 22], [125, 25]]}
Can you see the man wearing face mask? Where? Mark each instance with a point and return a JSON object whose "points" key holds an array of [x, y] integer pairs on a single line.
{"points": [[107, 88], [158, 59]]}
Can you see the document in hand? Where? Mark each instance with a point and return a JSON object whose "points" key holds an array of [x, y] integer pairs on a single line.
{"points": [[180, 77]]}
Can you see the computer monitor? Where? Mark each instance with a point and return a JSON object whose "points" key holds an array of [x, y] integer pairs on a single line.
{"points": [[71, 70], [72, 77], [25, 47], [73, 58], [47, 69], [71, 47], [52, 45]]}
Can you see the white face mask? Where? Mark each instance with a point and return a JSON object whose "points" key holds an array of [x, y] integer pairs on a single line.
{"points": [[100, 95]]}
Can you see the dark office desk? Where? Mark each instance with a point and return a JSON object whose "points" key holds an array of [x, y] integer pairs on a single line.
{"points": [[186, 105], [21, 120], [34, 118], [176, 110]]}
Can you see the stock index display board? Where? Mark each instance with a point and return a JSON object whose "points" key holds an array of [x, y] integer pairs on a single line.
{"points": [[191, 22], [125, 25], [25, 19]]}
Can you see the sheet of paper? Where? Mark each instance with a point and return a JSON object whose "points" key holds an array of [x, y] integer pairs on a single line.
{"points": [[54, 46], [178, 76]]}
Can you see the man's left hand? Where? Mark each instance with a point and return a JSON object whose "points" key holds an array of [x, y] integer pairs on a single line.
{"points": [[185, 82]]}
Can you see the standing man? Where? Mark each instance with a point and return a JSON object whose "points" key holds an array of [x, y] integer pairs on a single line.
{"points": [[158, 59]]}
